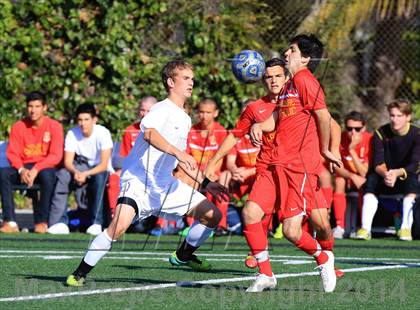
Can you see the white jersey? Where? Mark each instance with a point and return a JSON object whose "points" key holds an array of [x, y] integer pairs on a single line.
{"points": [[148, 164], [89, 147]]}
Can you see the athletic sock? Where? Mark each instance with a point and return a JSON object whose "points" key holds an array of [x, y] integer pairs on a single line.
{"points": [[340, 205], [407, 219], [197, 234], [97, 249], [257, 242], [185, 251], [370, 205], [82, 270], [328, 194], [310, 246], [326, 245], [267, 223]]}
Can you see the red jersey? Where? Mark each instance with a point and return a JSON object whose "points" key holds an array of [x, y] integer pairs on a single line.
{"points": [[202, 145], [41, 145], [362, 150], [246, 153], [255, 112], [297, 142], [129, 138]]}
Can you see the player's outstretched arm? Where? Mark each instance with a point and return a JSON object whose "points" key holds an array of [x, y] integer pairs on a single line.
{"points": [[227, 144], [152, 136], [205, 184]]}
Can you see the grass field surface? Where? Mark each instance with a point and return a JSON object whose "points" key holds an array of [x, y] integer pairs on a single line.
{"points": [[381, 273]]}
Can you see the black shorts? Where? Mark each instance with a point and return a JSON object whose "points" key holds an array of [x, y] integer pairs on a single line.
{"points": [[375, 185]]}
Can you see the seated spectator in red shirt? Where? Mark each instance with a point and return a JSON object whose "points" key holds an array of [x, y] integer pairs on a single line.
{"points": [[35, 150], [204, 140], [355, 152], [394, 168]]}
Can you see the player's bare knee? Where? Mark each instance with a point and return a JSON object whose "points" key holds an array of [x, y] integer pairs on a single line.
{"points": [[214, 218], [251, 214], [292, 232], [123, 218], [207, 213]]}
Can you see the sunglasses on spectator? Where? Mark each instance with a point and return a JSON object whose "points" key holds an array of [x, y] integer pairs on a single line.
{"points": [[348, 128]]}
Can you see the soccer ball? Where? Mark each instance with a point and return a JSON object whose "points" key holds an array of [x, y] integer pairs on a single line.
{"points": [[248, 66]]}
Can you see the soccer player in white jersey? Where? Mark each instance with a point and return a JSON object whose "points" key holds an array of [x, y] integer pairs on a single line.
{"points": [[148, 186]]}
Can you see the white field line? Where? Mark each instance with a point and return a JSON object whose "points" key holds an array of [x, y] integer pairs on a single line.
{"points": [[241, 255], [60, 257], [170, 285]]}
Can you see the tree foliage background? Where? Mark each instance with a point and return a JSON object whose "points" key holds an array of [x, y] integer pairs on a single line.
{"points": [[110, 53]]}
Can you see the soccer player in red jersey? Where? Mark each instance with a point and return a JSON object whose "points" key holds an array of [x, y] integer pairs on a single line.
{"points": [[259, 207], [355, 152], [207, 135], [204, 139], [241, 163], [303, 131]]}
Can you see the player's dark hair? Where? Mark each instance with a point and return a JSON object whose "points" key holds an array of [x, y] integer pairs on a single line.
{"points": [[309, 46], [35, 95], [209, 101], [86, 108], [273, 62], [403, 105], [355, 116], [169, 70]]}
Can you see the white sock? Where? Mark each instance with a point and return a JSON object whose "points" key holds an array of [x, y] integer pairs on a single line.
{"points": [[370, 205], [98, 248], [407, 216], [198, 234]]}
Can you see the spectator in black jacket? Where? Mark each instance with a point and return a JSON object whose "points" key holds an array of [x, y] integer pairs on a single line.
{"points": [[395, 160]]}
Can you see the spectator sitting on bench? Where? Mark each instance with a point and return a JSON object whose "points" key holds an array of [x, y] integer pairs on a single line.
{"points": [[87, 161], [355, 153], [396, 156], [34, 151]]}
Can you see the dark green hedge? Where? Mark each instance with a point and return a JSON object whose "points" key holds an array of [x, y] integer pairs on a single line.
{"points": [[111, 52]]}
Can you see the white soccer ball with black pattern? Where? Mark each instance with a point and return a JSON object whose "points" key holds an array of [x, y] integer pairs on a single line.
{"points": [[248, 66]]}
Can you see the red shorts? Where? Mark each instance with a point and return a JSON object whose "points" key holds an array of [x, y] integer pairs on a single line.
{"points": [[264, 191], [299, 192]]}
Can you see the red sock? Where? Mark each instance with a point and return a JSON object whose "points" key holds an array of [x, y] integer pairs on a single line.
{"points": [[328, 194], [340, 205], [322, 258], [308, 244], [267, 223], [223, 207], [257, 242], [326, 245], [113, 191]]}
